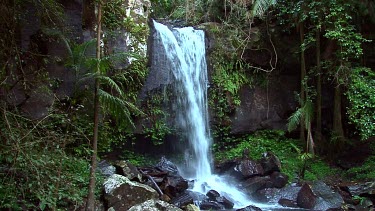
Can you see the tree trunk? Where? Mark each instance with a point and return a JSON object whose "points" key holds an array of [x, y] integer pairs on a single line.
{"points": [[338, 130], [318, 133], [303, 75], [90, 205]]}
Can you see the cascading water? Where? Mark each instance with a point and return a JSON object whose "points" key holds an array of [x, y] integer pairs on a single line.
{"points": [[185, 55], [185, 51]]}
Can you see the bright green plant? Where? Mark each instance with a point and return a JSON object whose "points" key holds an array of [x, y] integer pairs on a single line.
{"points": [[361, 110]]}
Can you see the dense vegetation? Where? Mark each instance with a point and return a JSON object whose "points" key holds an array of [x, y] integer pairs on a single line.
{"points": [[44, 161]]}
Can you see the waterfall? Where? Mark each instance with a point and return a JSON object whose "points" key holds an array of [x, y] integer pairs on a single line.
{"points": [[186, 57]]}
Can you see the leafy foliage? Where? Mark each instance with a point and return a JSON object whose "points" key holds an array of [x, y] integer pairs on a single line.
{"points": [[36, 169], [360, 93]]}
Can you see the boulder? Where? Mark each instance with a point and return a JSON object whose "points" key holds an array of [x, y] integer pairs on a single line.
{"points": [[362, 188], [278, 179], [270, 163], [174, 185], [167, 166], [183, 200], [306, 197], [253, 184], [154, 205], [121, 193], [211, 205], [250, 208], [288, 203], [215, 196], [326, 197], [128, 170], [249, 168]]}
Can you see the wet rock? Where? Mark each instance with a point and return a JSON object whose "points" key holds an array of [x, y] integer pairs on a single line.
{"points": [[167, 166], [216, 197], [121, 193], [154, 205], [212, 194], [226, 167], [253, 184], [211, 205], [306, 197], [183, 200], [326, 197], [173, 185], [249, 168], [270, 163], [362, 188], [250, 208], [224, 201], [278, 179], [288, 203], [106, 169], [128, 170]]}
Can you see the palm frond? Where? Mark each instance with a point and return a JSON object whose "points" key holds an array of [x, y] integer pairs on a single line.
{"points": [[121, 109], [308, 113], [111, 83], [295, 119]]}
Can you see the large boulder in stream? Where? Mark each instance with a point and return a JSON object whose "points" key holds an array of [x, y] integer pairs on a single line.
{"points": [[249, 168], [121, 193], [306, 198]]}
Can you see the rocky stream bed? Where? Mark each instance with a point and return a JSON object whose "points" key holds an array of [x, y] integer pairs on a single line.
{"points": [[161, 187]]}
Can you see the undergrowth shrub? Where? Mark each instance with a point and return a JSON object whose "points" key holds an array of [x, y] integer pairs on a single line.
{"points": [[38, 170], [289, 151]]}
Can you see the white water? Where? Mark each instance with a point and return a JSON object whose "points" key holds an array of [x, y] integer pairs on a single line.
{"points": [[185, 52]]}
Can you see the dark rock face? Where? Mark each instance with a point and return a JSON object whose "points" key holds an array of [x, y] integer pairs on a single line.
{"points": [[121, 193], [257, 111], [306, 197]]}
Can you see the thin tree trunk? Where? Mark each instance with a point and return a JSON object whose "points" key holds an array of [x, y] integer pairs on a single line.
{"points": [[90, 205], [303, 75], [338, 130], [318, 133]]}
